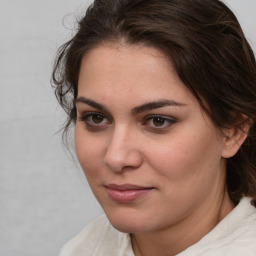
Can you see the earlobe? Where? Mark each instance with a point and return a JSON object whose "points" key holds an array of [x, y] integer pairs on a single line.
{"points": [[235, 137]]}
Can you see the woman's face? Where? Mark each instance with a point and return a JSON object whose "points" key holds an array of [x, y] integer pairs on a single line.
{"points": [[151, 155]]}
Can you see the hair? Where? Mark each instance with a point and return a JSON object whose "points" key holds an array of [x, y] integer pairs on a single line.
{"points": [[207, 48]]}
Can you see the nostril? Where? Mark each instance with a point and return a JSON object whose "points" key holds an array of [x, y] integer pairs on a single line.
{"points": [[121, 161], [122, 151]]}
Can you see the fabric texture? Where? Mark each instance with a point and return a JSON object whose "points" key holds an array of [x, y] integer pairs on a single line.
{"points": [[235, 235]]}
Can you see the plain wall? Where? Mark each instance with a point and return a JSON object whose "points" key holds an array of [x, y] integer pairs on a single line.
{"points": [[44, 198]]}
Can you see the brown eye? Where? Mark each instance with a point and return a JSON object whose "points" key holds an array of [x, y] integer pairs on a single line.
{"points": [[158, 121], [97, 119], [94, 119]]}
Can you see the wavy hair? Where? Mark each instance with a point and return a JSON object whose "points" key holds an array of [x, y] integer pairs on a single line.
{"points": [[207, 48]]}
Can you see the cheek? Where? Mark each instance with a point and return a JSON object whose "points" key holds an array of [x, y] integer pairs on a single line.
{"points": [[89, 152], [188, 157], [187, 170]]}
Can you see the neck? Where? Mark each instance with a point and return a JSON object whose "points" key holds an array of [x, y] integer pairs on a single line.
{"points": [[175, 239]]}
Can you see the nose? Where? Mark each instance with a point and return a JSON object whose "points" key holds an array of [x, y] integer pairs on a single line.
{"points": [[122, 151]]}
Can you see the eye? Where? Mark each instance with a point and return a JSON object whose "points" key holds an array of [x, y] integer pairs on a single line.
{"points": [[94, 119], [159, 122]]}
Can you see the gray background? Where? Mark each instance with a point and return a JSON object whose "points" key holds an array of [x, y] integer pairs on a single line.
{"points": [[44, 198]]}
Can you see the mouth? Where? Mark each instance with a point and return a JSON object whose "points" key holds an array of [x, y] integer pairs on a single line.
{"points": [[127, 193]]}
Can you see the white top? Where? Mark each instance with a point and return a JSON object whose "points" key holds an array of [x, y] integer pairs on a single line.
{"points": [[235, 235]]}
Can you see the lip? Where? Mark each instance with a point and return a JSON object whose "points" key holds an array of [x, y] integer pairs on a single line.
{"points": [[126, 193]]}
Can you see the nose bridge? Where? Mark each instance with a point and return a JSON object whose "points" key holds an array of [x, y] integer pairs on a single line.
{"points": [[122, 149]]}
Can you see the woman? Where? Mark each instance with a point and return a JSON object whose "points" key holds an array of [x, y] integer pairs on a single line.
{"points": [[162, 94]]}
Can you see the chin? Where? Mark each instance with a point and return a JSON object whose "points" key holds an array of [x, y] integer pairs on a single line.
{"points": [[129, 221], [127, 227]]}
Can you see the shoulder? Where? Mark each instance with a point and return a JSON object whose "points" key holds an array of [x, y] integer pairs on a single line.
{"points": [[235, 235], [98, 238]]}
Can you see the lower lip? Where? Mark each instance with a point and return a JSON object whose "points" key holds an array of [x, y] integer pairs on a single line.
{"points": [[127, 196]]}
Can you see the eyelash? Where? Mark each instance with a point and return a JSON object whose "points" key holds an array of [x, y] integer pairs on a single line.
{"points": [[90, 124], [166, 120]]}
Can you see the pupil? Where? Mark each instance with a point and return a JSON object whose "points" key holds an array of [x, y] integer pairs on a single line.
{"points": [[158, 121], [97, 118]]}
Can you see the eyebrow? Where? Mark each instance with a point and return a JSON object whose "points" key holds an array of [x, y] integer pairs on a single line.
{"points": [[91, 103], [156, 104], [136, 110]]}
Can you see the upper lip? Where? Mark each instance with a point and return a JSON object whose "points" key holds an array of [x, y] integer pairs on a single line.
{"points": [[127, 187]]}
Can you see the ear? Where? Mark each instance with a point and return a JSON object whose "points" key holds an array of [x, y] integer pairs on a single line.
{"points": [[235, 136]]}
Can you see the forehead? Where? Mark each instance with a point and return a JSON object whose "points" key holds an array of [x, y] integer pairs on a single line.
{"points": [[130, 71], [111, 56]]}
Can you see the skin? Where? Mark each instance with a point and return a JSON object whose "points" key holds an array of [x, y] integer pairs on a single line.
{"points": [[181, 156]]}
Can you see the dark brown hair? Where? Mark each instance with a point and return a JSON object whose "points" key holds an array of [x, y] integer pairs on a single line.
{"points": [[207, 48]]}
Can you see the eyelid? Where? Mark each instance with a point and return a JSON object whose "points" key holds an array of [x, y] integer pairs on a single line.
{"points": [[93, 125], [170, 121], [160, 116], [88, 113], [84, 116]]}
